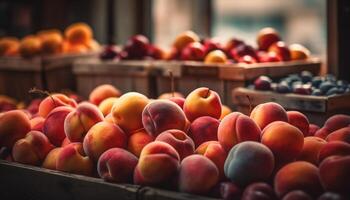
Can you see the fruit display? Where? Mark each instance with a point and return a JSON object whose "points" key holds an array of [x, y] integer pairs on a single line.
{"points": [[188, 46], [304, 83], [191, 144], [76, 38]]}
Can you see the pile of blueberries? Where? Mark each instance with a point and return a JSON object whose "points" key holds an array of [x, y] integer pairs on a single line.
{"points": [[304, 83]]}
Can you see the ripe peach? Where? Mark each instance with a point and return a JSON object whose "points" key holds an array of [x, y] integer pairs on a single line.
{"points": [[225, 110], [297, 195], [103, 92], [161, 115], [30, 46], [342, 134], [52, 43], [257, 191], [37, 123], [127, 111], [193, 51], [53, 101], [109, 118], [311, 148], [117, 165], [299, 175], [335, 174], [137, 141], [334, 148], [185, 38], [332, 124], [158, 163], [215, 57], [170, 95], [51, 159], [298, 52], [65, 142], [313, 128], [101, 137], [78, 33], [69, 48], [284, 140], [32, 149], [14, 125], [182, 143], [204, 129], [79, 121], [281, 49], [9, 46], [235, 128], [180, 101], [243, 171], [197, 175], [72, 159], [299, 120], [264, 114], [202, 102], [266, 37], [216, 153], [53, 126], [93, 45], [106, 105]]}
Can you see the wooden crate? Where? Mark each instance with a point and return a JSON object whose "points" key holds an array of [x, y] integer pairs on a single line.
{"points": [[52, 73], [316, 108], [222, 78], [137, 76], [26, 182]]}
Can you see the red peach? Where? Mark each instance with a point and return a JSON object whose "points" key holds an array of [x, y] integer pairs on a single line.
{"points": [[37, 123], [103, 92], [51, 159], [311, 148], [332, 124], [313, 128], [342, 134], [204, 129], [266, 37], [139, 140], [334, 148], [299, 120], [225, 110], [106, 105], [53, 101], [281, 49], [265, 113]]}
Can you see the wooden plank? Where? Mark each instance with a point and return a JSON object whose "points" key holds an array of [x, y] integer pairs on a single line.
{"points": [[27, 182], [17, 63]]}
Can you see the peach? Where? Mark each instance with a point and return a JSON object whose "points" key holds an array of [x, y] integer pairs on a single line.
{"points": [[243, 171], [225, 110], [79, 121], [72, 159], [298, 52], [78, 33], [70, 48], [9, 46], [65, 142], [335, 174], [51, 159], [332, 124], [299, 120], [137, 141], [264, 114], [127, 111], [109, 118], [180, 101], [297, 195], [282, 50], [311, 148], [235, 128], [158, 163], [193, 51], [169, 95], [53, 101], [216, 153], [117, 165], [162, 115], [32, 149], [182, 143], [266, 37], [285, 141], [53, 126], [342, 134], [202, 102], [103, 92], [30, 46], [197, 175], [313, 128], [185, 38], [14, 125], [37, 123], [257, 191], [334, 148], [215, 57], [101, 137], [52, 43], [106, 105], [204, 129], [299, 175]]}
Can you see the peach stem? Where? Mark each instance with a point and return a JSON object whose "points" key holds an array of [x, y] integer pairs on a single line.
{"points": [[42, 92]]}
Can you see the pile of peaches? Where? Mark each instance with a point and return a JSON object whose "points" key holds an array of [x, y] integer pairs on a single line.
{"points": [[77, 38], [193, 145], [189, 46]]}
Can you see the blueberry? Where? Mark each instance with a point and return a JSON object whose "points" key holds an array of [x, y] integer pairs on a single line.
{"points": [[327, 85], [283, 88], [316, 81], [306, 76], [332, 91]]}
